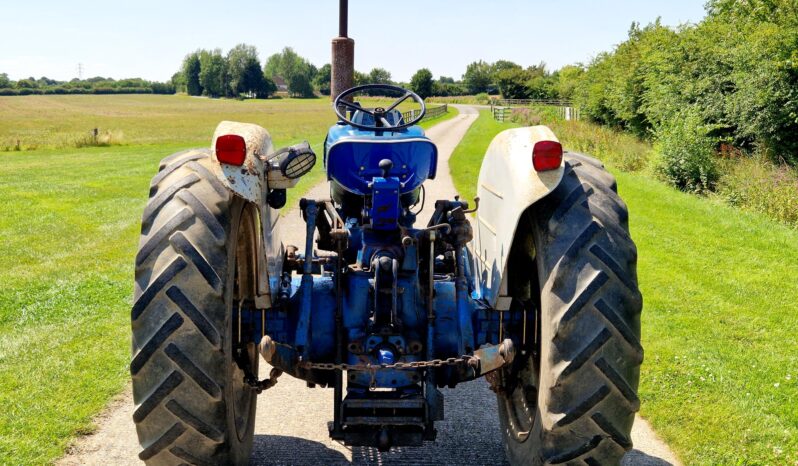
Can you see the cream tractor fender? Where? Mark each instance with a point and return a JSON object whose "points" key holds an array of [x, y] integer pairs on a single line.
{"points": [[252, 182], [508, 185]]}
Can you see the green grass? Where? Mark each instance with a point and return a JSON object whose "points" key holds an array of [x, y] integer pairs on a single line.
{"points": [[64, 120], [430, 122], [466, 159], [720, 380]]}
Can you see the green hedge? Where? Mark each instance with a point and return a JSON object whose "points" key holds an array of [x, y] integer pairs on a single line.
{"points": [[738, 68], [157, 88]]}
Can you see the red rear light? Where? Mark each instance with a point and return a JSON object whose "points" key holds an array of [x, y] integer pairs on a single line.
{"points": [[231, 149], [547, 155]]}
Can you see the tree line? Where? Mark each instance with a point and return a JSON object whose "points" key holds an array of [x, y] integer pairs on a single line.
{"points": [[240, 73], [728, 83], [504, 77], [95, 85]]}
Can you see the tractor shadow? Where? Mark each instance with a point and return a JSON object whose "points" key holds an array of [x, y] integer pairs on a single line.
{"points": [[286, 450], [469, 435]]}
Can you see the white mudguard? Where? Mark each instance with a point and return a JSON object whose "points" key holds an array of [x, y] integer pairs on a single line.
{"points": [[508, 185], [251, 181]]}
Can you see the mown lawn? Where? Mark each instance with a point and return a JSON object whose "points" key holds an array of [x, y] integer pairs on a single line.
{"points": [[720, 380], [69, 226]]}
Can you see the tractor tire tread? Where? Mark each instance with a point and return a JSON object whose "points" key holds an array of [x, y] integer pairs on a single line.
{"points": [[178, 325], [590, 324]]}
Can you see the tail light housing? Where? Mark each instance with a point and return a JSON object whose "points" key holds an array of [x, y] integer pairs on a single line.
{"points": [[231, 149], [547, 155]]}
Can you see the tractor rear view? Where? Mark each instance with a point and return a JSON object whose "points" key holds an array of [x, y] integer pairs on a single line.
{"points": [[539, 296]]}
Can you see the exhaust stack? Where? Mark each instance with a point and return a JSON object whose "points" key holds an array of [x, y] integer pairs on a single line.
{"points": [[343, 54]]}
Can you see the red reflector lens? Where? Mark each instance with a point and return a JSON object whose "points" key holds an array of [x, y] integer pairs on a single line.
{"points": [[231, 149], [547, 155]]}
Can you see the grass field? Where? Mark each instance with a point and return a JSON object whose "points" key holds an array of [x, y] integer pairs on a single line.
{"points": [[39, 122], [720, 379], [58, 121], [68, 234]]}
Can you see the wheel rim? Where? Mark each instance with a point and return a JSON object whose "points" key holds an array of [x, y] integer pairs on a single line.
{"points": [[243, 294], [520, 397]]}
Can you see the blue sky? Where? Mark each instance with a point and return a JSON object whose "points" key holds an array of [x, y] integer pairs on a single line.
{"points": [[149, 38]]}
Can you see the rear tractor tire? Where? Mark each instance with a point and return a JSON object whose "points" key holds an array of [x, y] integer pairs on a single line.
{"points": [[193, 265], [573, 399]]}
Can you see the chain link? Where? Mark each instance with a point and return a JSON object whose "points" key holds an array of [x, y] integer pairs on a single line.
{"points": [[328, 366]]}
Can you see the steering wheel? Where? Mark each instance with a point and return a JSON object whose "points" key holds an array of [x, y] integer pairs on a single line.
{"points": [[380, 114]]}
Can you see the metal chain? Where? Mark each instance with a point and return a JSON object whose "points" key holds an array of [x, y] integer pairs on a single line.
{"points": [[328, 366]]}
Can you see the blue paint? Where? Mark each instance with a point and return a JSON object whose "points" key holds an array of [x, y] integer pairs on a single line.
{"points": [[352, 157], [385, 356], [385, 209]]}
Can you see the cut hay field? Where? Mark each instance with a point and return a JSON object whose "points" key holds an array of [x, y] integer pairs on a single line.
{"points": [[69, 225]]}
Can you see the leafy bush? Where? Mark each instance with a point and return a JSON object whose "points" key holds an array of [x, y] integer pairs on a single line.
{"points": [[482, 98], [616, 148], [756, 184], [686, 153], [739, 66], [421, 83]]}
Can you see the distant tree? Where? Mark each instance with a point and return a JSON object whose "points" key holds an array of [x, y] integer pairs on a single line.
{"points": [[446, 80], [271, 67], [239, 59], [191, 73], [501, 65], [213, 73], [252, 80], [267, 88], [421, 83], [567, 79], [360, 78], [29, 83], [300, 86], [312, 71], [178, 81], [538, 70], [541, 87], [322, 79], [478, 77], [512, 83], [445, 89], [286, 64], [5, 82], [45, 81], [379, 76]]}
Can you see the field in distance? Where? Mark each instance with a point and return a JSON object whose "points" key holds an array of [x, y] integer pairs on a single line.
{"points": [[66, 121]]}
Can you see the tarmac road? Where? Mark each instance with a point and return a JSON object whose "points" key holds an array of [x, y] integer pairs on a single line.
{"points": [[291, 424]]}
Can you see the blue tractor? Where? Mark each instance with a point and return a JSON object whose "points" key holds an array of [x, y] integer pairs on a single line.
{"points": [[539, 296]]}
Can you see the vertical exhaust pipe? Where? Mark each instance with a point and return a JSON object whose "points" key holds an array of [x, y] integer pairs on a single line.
{"points": [[343, 54]]}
